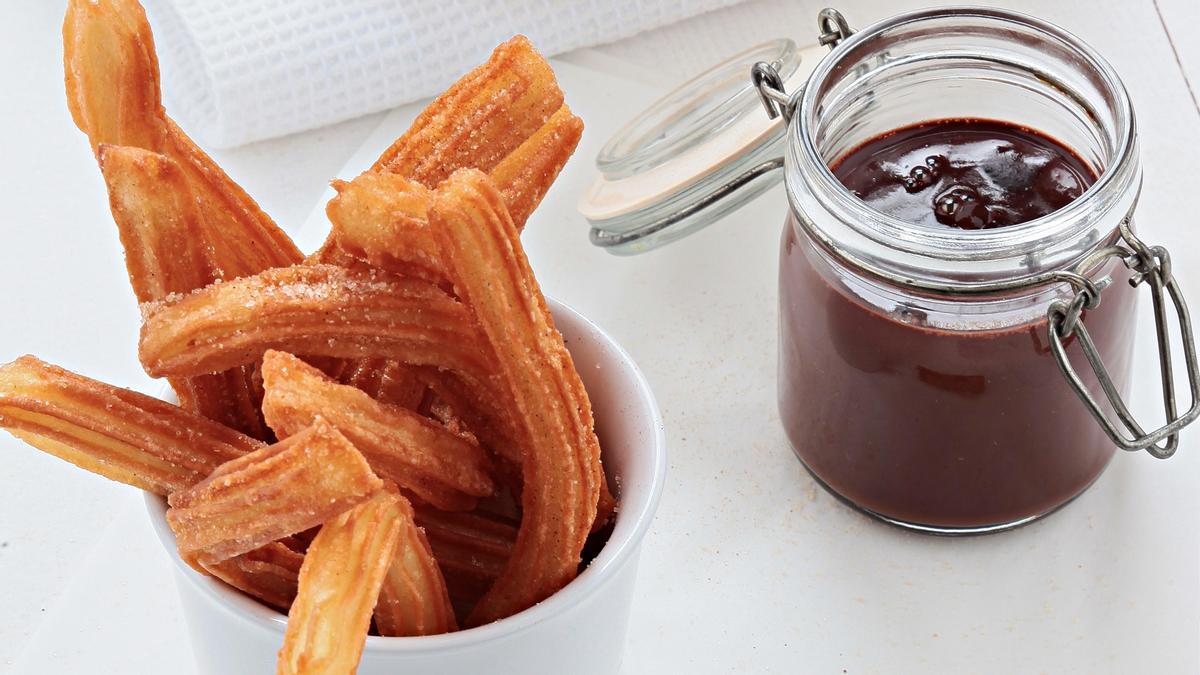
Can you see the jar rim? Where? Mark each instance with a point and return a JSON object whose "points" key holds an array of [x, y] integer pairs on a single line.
{"points": [[950, 243]]}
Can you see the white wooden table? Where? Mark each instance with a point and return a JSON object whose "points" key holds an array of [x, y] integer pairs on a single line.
{"points": [[750, 566]]}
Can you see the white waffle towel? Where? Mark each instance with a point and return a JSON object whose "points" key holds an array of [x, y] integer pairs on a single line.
{"points": [[236, 71]]}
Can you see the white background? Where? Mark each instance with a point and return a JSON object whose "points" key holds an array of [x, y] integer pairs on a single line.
{"points": [[750, 566]]}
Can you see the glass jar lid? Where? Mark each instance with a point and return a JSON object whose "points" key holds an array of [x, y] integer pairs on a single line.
{"points": [[693, 156]]}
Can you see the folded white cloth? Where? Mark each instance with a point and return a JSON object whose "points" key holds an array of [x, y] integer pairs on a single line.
{"points": [[236, 71]]}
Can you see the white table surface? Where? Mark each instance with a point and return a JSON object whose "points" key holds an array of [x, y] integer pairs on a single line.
{"points": [[750, 566]]}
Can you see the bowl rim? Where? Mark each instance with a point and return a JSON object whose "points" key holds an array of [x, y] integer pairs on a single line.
{"points": [[631, 527]]}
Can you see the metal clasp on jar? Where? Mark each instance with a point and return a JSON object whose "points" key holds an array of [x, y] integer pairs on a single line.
{"points": [[1152, 266], [834, 28]]}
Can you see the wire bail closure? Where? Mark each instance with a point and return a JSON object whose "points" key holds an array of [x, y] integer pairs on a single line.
{"points": [[833, 26], [1151, 265], [833, 29]]}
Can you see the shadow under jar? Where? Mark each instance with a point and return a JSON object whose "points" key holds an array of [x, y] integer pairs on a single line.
{"points": [[961, 183]]}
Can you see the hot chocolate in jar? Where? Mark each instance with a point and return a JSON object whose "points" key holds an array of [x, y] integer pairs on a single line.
{"points": [[959, 266]]}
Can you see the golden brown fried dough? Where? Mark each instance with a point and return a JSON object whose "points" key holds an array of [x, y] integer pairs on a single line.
{"points": [[525, 175], [400, 445], [382, 218], [471, 549], [480, 119], [478, 410], [269, 494], [561, 464], [339, 586], [166, 253], [112, 82], [159, 226], [399, 385], [112, 73], [420, 307], [413, 599], [269, 573], [319, 310], [117, 433]]}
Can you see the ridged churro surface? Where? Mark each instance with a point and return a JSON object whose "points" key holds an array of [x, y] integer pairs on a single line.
{"points": [[312, 309], [339, 587], [413, 599], [271, 493], [117, 433], [420, 455], [561, 455]]}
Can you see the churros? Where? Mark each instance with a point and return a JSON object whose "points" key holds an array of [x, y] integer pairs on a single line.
{"points": [[561, 463], [269, 573], [413, 599], [411, 357], [319, 309], [271, 493], [400, 445], [480, 119], [487, 419], [524, 176], [117, 433], [399, 384], [159, 225], [339, 585], [506, 116], [112, 73], [382, 218], [113, 92], [384, 380], [471, 549], [166, 253]]}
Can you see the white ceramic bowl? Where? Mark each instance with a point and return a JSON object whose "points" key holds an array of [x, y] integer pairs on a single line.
{"points": [[579, 630]]}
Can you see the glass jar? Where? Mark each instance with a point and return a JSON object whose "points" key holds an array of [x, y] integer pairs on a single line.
{"points": [[945, 380]]}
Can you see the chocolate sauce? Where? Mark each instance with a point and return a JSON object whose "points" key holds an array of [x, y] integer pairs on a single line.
{"points": [[938, 427], [971, 174]]}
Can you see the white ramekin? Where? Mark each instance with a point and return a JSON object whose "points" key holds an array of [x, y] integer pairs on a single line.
{"points": [[580, 630]]}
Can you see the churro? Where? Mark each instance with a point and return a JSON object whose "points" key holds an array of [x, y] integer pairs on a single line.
{"points": [[471, 549], [339, 586], [561, 459], [400, 445], [269, 573], [319, 309], [166, 253], [413, 599], [480, 119], [385, 380], [488, 418], [524, 176], [426, 363], [268, 494], [113, 92], [120, 434], [400, 385], [158, 222], [471, 125], [382, 218]]}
